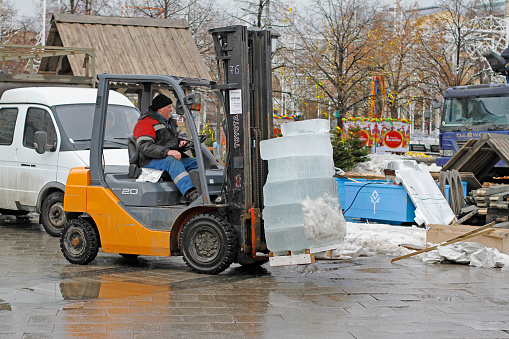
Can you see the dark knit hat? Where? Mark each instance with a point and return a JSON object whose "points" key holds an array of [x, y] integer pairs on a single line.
{"points": [[160, 101]]}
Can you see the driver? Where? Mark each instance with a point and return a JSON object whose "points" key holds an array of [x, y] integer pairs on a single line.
{"points": [[158, 140]]}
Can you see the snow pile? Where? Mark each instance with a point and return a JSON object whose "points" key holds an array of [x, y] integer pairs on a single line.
{"points": [[375, 164], [471, 253], [380, 239], [321, 220], [432, 168], [372, 239]]}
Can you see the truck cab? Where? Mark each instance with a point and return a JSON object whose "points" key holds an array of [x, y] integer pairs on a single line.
{"points": [[469, 111], [33, 176]]}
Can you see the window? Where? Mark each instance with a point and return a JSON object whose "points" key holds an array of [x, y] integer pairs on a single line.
{"points": [[7, 123], [120, 121], [38, 119]]}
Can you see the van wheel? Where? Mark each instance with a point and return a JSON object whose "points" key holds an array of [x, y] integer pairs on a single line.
{"points": [[79, 241], [52, 213], [208, 244]]}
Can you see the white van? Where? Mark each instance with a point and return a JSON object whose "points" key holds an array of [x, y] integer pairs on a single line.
{"points": [[33, 177]]}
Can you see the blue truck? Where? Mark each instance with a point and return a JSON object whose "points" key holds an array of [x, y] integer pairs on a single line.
{"points": [[469, 111]]}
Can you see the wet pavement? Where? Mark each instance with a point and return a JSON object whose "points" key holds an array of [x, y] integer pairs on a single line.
{"points": [[43, 296]]}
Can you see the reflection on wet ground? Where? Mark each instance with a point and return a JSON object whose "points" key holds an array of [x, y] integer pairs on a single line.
{"points": [[43, 296]]}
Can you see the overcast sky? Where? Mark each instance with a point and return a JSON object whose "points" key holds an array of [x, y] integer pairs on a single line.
{"points": [[27, 7]]}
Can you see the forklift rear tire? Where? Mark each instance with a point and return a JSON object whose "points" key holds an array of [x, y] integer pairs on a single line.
{"points": [[79, 241], [208, 244], [52, 213]]}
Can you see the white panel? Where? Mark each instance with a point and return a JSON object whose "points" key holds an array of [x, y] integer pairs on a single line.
{"points": [[430, 205]]}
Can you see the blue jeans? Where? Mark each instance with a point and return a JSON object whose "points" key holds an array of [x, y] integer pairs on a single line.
{"points": [[177, 169]]}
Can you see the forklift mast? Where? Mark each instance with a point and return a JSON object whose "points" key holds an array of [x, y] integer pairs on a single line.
{"points": [[245, 87]]}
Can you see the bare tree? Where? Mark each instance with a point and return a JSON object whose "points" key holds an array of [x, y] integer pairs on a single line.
{"points": [[443, 45], [87, 7], [254, 13], [8, 23], [334, 47], [163, 9], [397, 60]]}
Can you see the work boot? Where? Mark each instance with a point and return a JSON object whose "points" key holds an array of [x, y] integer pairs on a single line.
{"points": [[191, 194]]}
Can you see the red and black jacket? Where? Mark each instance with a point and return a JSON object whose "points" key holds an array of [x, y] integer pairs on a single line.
{"points": [[155, 136]]}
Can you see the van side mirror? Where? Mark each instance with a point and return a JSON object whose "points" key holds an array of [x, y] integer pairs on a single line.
{"points": [[41, 143]]}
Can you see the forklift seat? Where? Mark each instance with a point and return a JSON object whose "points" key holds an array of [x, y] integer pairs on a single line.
{"points": [[134, 170]]}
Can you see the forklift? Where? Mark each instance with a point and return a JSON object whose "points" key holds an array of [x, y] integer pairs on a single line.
{"points": [[107, 208]]}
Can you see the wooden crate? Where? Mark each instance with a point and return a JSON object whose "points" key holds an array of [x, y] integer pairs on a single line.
{"points": [[498, 238]]}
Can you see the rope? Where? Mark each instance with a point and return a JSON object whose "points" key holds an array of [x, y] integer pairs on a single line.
{"points": [[453, 179], [355, 197]]}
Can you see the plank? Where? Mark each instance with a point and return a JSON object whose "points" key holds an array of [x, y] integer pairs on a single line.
{"points": [[466, 217], [165, 64], [492, 190], [152, 50], [103, 20], [499, 196], [413, 247], [133, 58], [364, 176], [323, 248], [471, 234], [119, 49], [294, 259], [146, 55]]}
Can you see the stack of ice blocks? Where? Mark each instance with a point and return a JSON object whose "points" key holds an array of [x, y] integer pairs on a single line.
{"points": [[302, 208]]}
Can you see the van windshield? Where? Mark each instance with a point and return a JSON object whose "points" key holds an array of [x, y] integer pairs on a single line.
{"points": [[77, 121]]}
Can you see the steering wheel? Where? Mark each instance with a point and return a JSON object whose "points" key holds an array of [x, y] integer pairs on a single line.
{"points": [[190, 144]]}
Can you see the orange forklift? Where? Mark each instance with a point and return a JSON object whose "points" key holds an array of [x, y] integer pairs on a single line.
{"points": [[106, 207]]}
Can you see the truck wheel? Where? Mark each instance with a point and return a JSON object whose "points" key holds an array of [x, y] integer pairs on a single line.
{"points": [[208, 244], [79, 241], [52, 213]]}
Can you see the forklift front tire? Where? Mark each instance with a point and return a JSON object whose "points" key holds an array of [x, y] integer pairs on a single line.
{"points": [[79, 241], [208, 244]]}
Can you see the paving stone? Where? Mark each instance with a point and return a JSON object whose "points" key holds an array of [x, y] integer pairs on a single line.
{"points": [[43, 296]]}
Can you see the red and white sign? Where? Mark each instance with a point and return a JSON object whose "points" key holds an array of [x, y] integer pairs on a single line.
{"points": [[393, 139], [381, 136]]}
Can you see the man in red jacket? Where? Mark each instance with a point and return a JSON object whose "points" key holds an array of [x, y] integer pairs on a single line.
{"points": [[158, 140]]}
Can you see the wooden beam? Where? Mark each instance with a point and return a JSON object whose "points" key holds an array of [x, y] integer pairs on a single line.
{"points": [[124, 21], [471, 234]]}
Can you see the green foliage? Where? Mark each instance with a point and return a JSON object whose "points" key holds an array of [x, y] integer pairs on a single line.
{"points": [[348, 151]]}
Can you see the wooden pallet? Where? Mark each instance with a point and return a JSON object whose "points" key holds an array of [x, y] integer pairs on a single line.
{"points": [[308, 257]]}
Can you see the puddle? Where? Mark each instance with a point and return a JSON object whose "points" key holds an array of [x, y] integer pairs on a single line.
{"points": [[41, 293], [74, 290], [77, 290]]}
